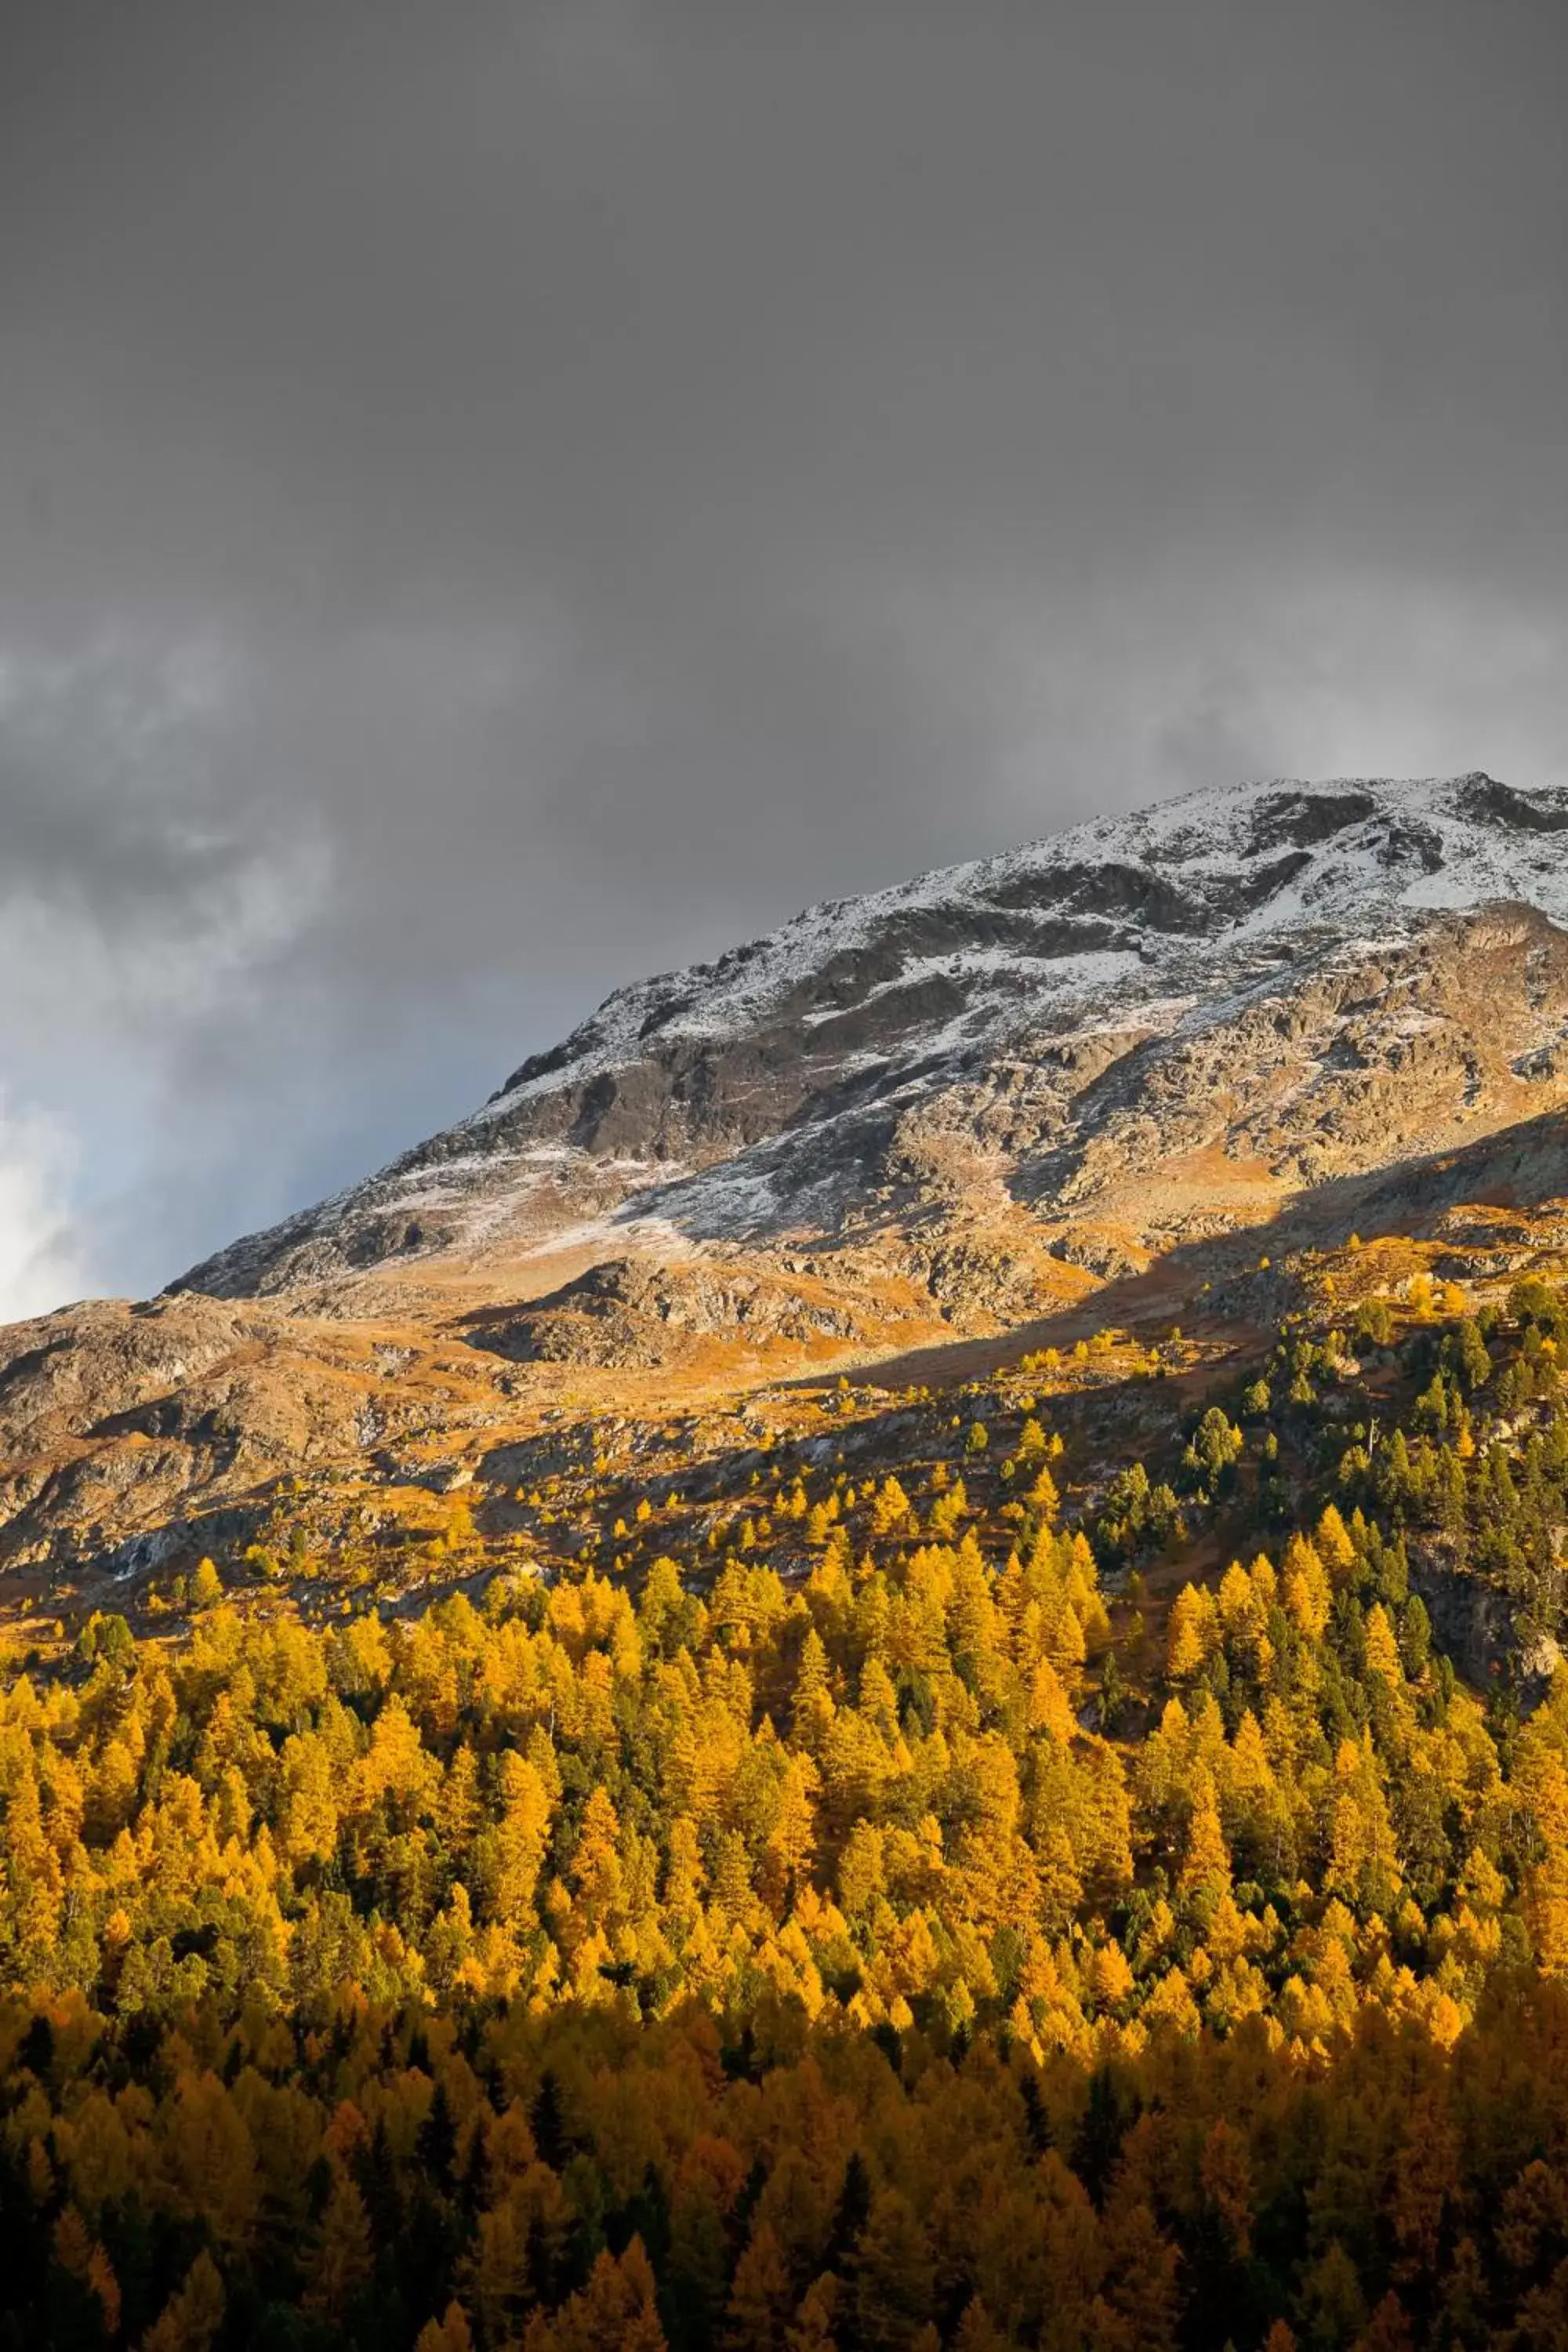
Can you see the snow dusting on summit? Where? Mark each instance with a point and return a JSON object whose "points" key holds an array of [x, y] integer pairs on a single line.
{"points": [[775, 1074], [1223, 865]]}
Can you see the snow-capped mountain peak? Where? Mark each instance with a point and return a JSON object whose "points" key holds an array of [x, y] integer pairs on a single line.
{"points": [[728, 1093], [1241, 861]]}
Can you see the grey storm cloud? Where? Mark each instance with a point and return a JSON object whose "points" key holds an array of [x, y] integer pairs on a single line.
{"points": [[497, 499]]}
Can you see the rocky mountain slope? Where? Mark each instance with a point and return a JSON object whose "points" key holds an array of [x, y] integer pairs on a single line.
{"points": [[1143, 1055], [1157, 1025]]}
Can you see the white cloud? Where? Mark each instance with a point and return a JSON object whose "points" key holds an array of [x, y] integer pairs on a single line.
{"points": [[148, 904], [41, 1259]]}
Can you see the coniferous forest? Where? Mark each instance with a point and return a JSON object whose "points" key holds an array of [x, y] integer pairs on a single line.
{"points": [[997, 1894]]}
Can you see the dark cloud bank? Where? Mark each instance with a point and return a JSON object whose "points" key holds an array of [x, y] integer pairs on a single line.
{"points": [[496, 500]]}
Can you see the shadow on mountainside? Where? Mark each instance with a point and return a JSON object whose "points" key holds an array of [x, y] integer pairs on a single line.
{"points": [[156, 1485], [1238, 1280]]}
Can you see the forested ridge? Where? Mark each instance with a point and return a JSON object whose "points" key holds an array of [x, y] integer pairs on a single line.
{"points": [[909, 1915]]}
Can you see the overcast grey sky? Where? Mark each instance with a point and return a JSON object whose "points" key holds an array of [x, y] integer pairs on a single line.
{"points": [[497, 499]]}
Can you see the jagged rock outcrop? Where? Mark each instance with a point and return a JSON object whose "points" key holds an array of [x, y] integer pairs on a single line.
{"points": [[624, 1312]]}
